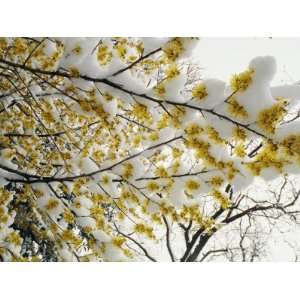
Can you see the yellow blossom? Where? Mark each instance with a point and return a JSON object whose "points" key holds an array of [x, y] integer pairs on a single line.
{"points": [[199, 91], [269, 118], [52, 203], [241, 81], [192, 185]]}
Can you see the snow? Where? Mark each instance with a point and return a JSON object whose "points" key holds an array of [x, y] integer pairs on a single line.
{"points": [[131, 82], [111, 187], [113, 254], [85, 59], [243, 179], [222, 126], [287, 129], [86, 165], [269, 174], [3, 181], [166, 134], [71, 59], [264, 69], [101, 236], [67, 255], [174, 89], [91, 67], [177, 196], [151, 43], [49, 47], [287, 91], [84, 208], [191, 116], [290, 91], [216, 93], [86, 222], [189, 45], [291, 168], [255, 99], [184, 167]]}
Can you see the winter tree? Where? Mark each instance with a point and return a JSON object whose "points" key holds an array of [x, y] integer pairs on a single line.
{"points": [[116, 149]]}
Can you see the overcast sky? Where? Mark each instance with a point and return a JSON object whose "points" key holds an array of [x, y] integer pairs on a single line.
{"points": [[221, 57]]}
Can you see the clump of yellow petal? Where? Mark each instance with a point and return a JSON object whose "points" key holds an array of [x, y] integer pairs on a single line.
{"points": [[160, 90], [68, 216], [239, 134], [118, 241], [216, 181], [223, 200], [173, 49], [172, 71], [266, 158], [104, 56], [239, 150], [121, 50], [269, 118], [214, 135], [291, 144], [128, 170], [144, 229], [152, 186], [51, 204], [193, 129], [161, 172], [241, 81], [199, 91], [236, 109], [14, 238], [192, 185], [142, 113]]}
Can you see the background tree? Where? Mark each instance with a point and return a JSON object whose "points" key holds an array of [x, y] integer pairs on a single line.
{"points": [[116, 149]]}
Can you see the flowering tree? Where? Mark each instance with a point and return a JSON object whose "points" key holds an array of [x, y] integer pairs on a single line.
{"points": [[116, 149]]}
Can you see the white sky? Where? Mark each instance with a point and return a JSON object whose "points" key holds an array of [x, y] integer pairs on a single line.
{"points": [[222, 57]]}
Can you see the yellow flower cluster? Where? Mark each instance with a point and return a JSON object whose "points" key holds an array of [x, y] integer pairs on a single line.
{"points": [[235, 109], [214, 135], [3, 216], [172, 71], [14, 238], [239, 150], [266, 158], [145, 230], [239, 134], [152, 186], [199, 91], [192, 185], [160, 90], [191, 212], [216, 181], [52, 203], [142, 113], [69, 236], [161, 172], [68, 216], [104, 55], [221, 199], [269, 118], [193, 130], [127, 170], [291, 144], [241, 81], [118, 241], [173, 49]]}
